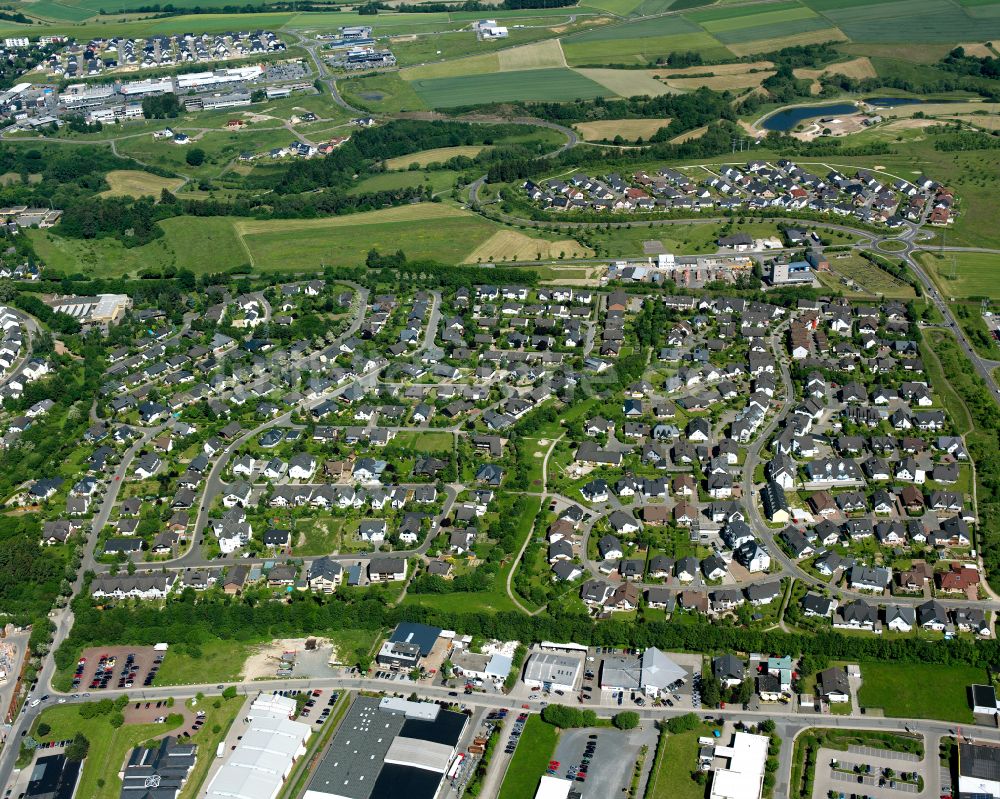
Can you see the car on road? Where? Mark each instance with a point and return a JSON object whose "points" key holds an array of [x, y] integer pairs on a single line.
{"points": [[36, 702]]}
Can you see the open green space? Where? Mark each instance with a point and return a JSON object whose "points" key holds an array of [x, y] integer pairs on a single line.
{"points": [[869, 277], [438, 180], [317, 536], [964, 274], [108, 746], [212, 661], [531, 758], [676, 764], [900, 690], [529, 84], [385, 93]]}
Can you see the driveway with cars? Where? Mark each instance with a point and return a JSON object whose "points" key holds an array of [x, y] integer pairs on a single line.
{"points": [[611, 763]]}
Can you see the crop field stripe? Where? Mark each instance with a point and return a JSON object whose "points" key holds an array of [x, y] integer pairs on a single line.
{"points": [[530, 84], [660, 26], [789, 28], [734, 12], [759, 20], [629, 51], [915, 21]]}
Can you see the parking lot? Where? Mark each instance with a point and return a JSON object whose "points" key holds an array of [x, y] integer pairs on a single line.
{"points": [[611, 754], [111, 667], [862, 771]]}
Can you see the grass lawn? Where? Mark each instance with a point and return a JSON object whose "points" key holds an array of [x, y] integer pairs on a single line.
{"points": [[437, 155], [438, 180], [952, 402], [531, 759], [220, 661], [900, 690], [431, 441], [677, 761], [529, 84], [108, 746], [427, 230], [383, 93], [135, 183], [319, 536], [218, 720], [975, 273]]}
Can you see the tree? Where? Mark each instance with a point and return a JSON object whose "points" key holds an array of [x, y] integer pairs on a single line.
{"points": [[626, 720], [229, 692], [117, 719], [683, 723], [78, 748], [43, 729], [195, 157]]}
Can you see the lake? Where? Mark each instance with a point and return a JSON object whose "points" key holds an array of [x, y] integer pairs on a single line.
{"points": [[790, 117]]}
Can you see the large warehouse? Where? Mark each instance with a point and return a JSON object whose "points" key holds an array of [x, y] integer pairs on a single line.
{"points": [[387, 748], [263, 758]]}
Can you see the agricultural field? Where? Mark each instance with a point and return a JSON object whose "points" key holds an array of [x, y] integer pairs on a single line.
{"points": [[427, 230], [642, 50], [135, 183], [534, 84], [511, 245], [628, 129], [627, 82]]}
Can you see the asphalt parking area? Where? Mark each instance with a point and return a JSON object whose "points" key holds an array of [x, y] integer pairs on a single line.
{"points": [[89, 676], [610, 769]]}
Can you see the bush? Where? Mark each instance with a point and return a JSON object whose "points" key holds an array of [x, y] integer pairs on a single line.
{"points": [[229, 692], [685, 723], [568, 717], [43, 729], [117, 719], [627, 720], [195, 157]]}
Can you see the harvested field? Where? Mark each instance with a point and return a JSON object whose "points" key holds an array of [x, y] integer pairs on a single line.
{"points": [[697, 133], [747, 80], [136, 183], [931, 109], [977, 50], [532, 56], [438, 155], [514, 246], [714, 69], [769, 45], [984, 121], [627, 82], [630, 129], [473, 65], [402, 213], [855, 68]]}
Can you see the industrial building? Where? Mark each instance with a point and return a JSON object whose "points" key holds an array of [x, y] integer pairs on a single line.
{"points": [[784, 271], [387, 748], [553, 672], [264, 757], [103, 308], [159, 771], [978, 771]]}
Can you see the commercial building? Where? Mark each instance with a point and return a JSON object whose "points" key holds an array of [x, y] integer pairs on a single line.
{"points": [[555, 788], [978, 771], [651, 673], [264, 757], [743, 777], [387, 748], [53, 777], [474, 666], [423, 635], [784, 272], [553, 672], [102, 308]]}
